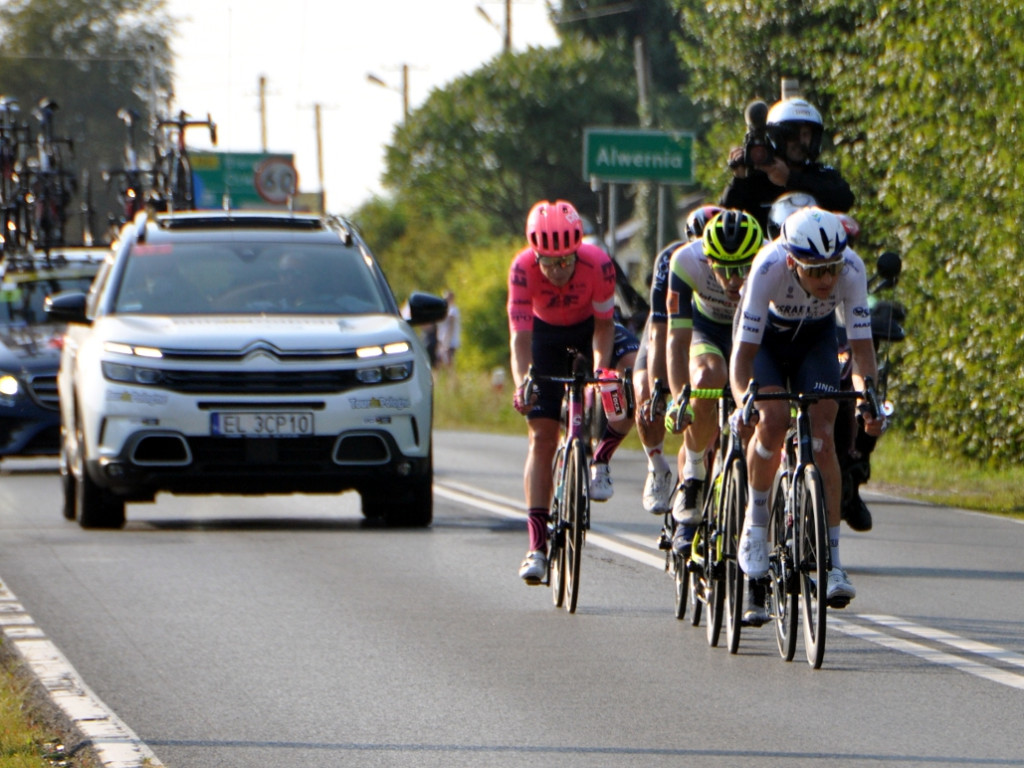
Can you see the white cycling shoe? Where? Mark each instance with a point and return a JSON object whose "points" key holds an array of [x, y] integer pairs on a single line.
{"points": [[600, 482], [840, 591], [534, 567], [658, 491], [753, 551]]}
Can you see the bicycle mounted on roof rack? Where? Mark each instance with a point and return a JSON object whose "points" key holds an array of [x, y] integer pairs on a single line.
{"points": [[172, 168]]}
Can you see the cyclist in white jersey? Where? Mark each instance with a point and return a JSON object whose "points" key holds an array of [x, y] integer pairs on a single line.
{"points": [[786, 340]]}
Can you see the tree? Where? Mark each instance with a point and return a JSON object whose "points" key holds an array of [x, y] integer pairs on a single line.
{"points": [[92, 57], [500, 138], [922, 106]]}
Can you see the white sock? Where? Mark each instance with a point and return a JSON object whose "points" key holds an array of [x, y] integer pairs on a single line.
{"points": [[656, 458], [833, 545], [694, 466], [757, 509]]}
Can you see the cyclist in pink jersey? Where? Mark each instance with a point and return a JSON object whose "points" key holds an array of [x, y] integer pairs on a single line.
{"points": [[561, 298]]}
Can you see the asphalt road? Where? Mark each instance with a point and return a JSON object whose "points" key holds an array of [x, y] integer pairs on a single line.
{"points": [[227, 632]]}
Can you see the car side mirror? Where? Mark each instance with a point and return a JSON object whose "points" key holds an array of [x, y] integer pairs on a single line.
{"points": [[426, 308], [66, 307]]}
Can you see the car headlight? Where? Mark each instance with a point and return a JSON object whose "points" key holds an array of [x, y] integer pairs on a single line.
{"points": [[131, 374], [9, 385], [385, 373]]}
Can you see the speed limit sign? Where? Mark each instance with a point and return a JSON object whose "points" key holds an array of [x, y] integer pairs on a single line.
{"points": [[276, 180]]}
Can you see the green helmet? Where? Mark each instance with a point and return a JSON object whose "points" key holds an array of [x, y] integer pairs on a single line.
{"points": [[732, 238]]}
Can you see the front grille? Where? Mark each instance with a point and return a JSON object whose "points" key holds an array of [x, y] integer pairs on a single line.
{"points": [[44, 390], [260, 382], [310, 454]]}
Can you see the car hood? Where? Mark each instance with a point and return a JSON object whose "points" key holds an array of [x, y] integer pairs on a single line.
{"points": [[30, 347], [237, 332]]}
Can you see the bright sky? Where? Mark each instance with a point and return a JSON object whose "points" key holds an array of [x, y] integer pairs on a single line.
{"points": [[319, 52]]}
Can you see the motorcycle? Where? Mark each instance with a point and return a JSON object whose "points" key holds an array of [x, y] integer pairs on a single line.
{"points": [[853, 445]]}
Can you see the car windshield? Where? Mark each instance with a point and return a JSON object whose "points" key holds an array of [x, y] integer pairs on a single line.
{"points": [[22, 296], [236, 278]]}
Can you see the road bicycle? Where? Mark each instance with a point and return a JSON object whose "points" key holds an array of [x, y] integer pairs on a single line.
{"points": [[799, 558], [172, 167], [711, 574], [13, 191], [570, 504], [131, 191], [52, 185]]}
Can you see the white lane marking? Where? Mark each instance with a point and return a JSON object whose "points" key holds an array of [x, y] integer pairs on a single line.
{"points": [[609, 539], [933, 655], [603, 536], [116, 745], [993, 652]]}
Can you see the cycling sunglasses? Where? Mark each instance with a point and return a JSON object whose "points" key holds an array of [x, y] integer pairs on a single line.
{"points": [[820, 270], [556, 261], [730, 272]]}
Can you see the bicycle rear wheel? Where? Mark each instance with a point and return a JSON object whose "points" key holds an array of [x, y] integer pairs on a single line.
{"points": [[577, 499], [813, 558], [735, 510], [784, 590]]}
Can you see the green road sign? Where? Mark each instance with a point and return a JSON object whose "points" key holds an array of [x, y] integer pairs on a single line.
{"points": [[250, 179], [616, 155]]}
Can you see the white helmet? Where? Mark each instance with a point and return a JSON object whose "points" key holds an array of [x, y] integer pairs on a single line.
{"points": [[785, 118], [784, 207], [814, 234]]}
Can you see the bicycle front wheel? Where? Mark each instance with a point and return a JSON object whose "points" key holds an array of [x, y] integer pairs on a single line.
{"points": [[813, 559], [556, 532], [682, 581], [577, 513], [714, 560], [735, 510], [784, 590]]}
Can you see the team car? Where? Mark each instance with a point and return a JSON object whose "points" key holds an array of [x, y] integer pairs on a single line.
{"points": [[243, 353], [30, 346]]}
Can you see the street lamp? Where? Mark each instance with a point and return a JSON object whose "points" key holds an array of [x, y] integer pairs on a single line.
{"points": [[507, 31], [404, 90]]}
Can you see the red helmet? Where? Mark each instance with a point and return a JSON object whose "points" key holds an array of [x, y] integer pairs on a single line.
{"points": [[554, 229]]}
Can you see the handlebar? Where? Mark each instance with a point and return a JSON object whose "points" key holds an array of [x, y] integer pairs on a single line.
{"points": [[581, 379], [868, 395], [183, 121]]}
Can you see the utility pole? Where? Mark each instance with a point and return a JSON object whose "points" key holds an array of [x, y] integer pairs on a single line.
{"points": [[320, 157], [508, 26], [263, 112]]}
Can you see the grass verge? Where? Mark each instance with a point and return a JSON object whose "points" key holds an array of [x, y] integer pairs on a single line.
{"points": [[31, 736]]}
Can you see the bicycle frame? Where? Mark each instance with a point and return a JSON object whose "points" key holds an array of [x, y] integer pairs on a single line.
{"points": [[570, 504]]}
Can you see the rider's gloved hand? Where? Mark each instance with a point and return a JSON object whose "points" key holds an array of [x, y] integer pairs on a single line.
{"points": [[678, 416], [519, 401]]}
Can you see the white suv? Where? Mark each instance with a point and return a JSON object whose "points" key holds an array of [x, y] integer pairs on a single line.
{"points": [[243, 353]]}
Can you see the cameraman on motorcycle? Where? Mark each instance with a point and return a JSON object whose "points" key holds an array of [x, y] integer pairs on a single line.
{"points": [[794, 130]]}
